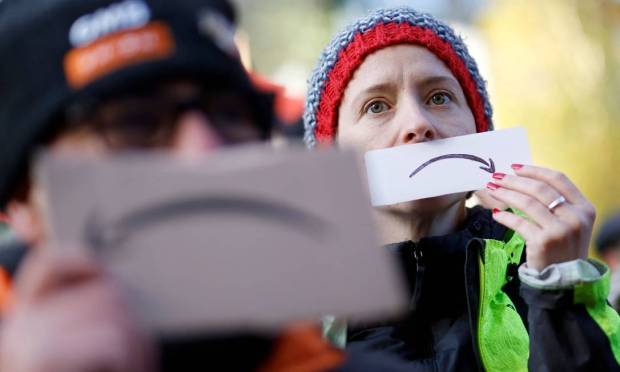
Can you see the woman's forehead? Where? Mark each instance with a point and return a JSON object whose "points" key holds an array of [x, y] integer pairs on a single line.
{"points": [[394, 60], [399, 64]]}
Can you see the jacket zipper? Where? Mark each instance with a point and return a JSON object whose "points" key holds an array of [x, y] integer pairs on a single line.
{"points": [[420, 268], [474, 280]]}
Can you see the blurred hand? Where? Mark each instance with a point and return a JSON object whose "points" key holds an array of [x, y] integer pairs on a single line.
{"points": [[552, 235], [68, 317]]}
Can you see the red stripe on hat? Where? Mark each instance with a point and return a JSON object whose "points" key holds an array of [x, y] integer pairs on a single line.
{"points": [[381, 36]]}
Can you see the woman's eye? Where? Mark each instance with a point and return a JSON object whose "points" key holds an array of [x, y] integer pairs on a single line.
{"points": [[377, 107], [440, 99]]}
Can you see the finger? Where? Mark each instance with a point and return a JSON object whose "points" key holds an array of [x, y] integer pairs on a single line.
{"points": [[556, 179], [488, 201], [43, 273], [95, 295], [534, 188], [96, 312], [109, 347], [540, 191], [523, 202], [526, 229]]}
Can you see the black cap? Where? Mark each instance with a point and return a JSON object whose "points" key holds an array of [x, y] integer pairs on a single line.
{"points": [[609, 234], [57, 52]]}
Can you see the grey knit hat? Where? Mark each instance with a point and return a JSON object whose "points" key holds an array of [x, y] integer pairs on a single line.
{"points": [[381, 29]]}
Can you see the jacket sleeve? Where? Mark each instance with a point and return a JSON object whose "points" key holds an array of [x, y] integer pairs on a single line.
{"points": [[573, 329]]}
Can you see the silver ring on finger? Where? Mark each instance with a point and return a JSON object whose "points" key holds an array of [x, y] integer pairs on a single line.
{"points": [[556, 203]]}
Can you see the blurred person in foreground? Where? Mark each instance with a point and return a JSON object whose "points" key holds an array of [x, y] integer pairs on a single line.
{"points": [[608, 247], [499, 290], [100, 77]]}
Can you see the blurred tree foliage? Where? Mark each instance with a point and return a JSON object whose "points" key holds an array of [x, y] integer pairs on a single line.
{"points": [[556, 70], [283, 30]]}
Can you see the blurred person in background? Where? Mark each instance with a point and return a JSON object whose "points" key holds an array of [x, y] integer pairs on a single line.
{"points": [[608, 247], [288, 109], [105, 77], [501, 290]]}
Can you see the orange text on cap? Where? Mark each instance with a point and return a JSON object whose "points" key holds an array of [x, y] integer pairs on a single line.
{"points": [[86, 64]]}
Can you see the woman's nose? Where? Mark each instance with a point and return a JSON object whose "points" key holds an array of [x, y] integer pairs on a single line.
{"points": [[195, 135], [414, 125]]}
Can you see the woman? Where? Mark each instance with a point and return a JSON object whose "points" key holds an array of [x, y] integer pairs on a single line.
{"points": [[401, 77]]}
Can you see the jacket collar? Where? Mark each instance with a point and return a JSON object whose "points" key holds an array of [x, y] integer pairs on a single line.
{"points": [[437, 263]]}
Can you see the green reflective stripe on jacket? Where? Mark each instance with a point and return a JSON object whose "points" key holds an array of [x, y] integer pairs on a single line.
{"points": [[594, 296], [334, 330], [503, 340]]}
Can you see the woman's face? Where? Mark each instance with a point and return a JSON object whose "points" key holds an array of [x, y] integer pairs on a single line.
{"points": [[403, 95], [400, 95]]}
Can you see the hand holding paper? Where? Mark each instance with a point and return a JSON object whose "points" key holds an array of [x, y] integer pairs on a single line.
{"points": [[560, 220]]}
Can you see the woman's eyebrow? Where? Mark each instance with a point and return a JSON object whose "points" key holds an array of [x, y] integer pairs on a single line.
{"points": [[437, 80], [373, 89]]}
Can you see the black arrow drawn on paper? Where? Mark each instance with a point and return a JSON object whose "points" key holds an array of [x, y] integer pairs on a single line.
{"points": [[488, 166]]}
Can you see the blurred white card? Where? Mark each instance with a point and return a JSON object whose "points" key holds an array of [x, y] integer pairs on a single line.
{"points": [[247, 238], [458, 164]]}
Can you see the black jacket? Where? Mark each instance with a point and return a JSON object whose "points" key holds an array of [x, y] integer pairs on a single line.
{"points": [[439, 333]]}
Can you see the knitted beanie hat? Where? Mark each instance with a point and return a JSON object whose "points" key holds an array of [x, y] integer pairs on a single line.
{"points": [[56, 53], [381, 29]]}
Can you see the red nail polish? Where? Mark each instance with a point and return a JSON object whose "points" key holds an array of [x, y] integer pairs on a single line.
{"points": [[516, 166], [495, 210], [492, 186], [499, 176]]}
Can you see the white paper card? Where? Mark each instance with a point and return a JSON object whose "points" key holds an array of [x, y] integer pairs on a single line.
{"points": [[249, 238], [458, 164]]}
